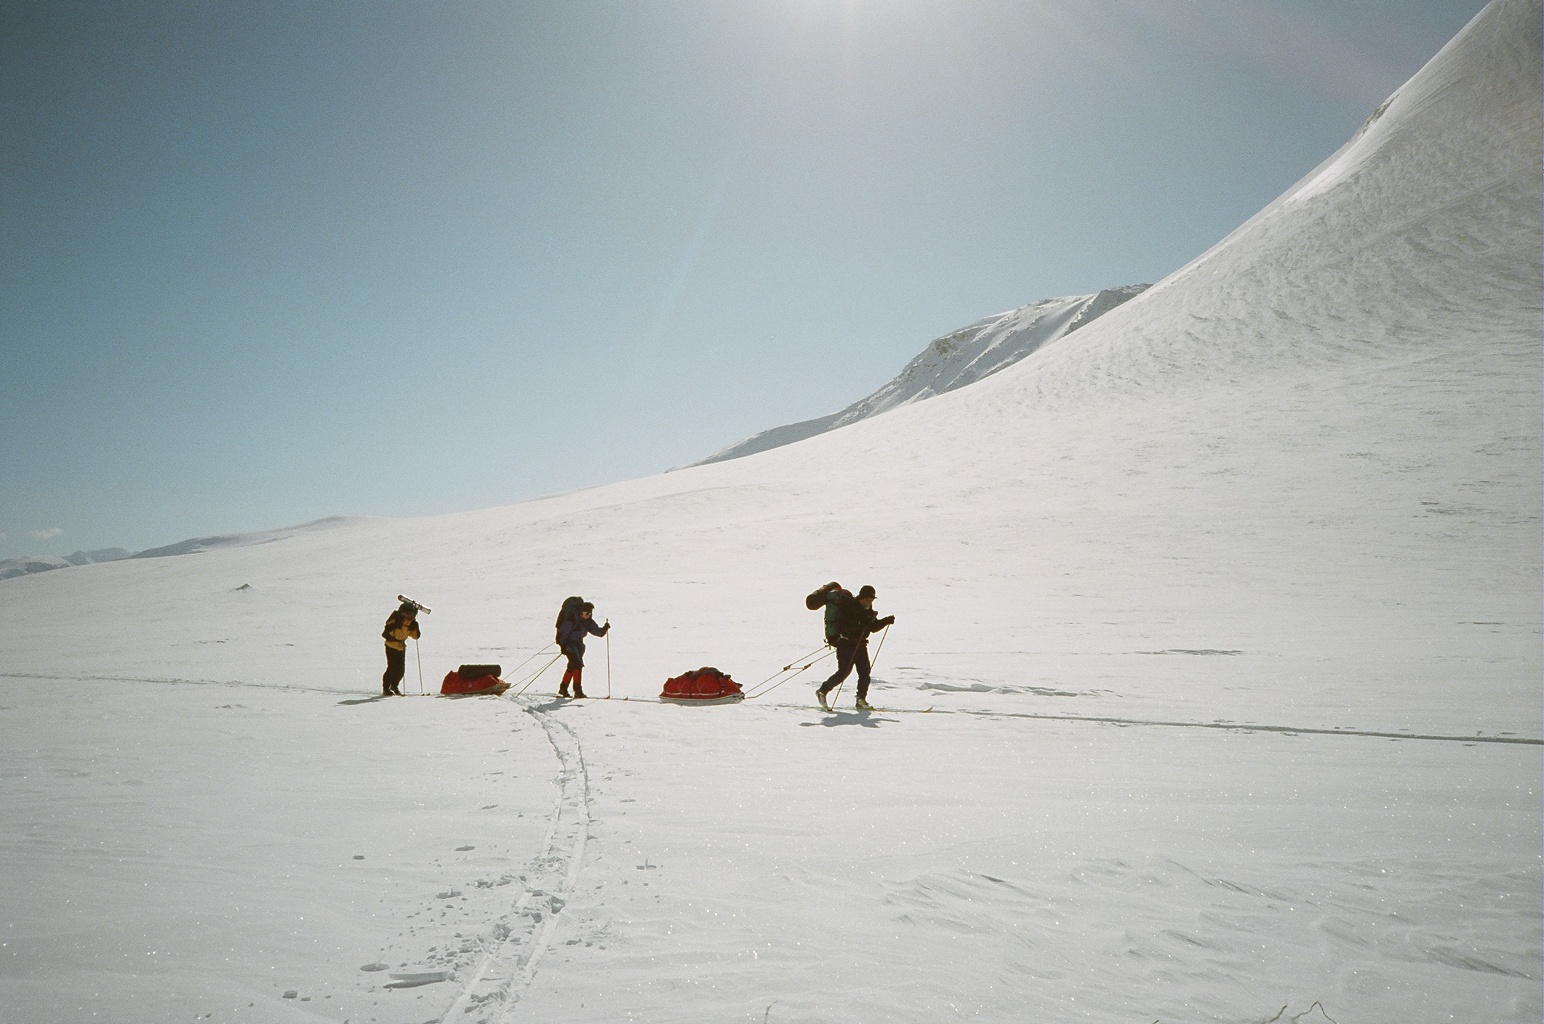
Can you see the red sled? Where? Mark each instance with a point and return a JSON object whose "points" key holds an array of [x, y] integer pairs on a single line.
{"points": [[704, 686], [469, 680]]}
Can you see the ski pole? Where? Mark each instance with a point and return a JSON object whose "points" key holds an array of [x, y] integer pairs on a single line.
{"points": [[608, 659], [418, 650], [875, 659], [872, 662], [837, 693]]}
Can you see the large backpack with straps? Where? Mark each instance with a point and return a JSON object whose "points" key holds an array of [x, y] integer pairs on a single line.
{"points": [[568, 613], [839, 604]]}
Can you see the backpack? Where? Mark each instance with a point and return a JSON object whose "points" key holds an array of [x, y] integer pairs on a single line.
{"points": [[839, 613], [568, 613]]}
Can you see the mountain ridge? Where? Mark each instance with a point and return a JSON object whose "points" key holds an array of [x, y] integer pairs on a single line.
{"points": [[952, 361]]}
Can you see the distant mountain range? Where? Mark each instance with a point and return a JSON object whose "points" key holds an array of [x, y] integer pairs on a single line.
{"points": [[29, 564], [959, 358], [43, 563]]}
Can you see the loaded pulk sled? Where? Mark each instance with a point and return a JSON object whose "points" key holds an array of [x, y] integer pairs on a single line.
{"points": [[705, 685], [468, 680]]}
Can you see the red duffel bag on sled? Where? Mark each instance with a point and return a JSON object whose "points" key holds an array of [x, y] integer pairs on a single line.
{"points": [[703, 686], [472, 679]]}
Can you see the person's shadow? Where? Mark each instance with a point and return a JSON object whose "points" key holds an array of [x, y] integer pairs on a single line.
{"points": [[867, 719], [362, 700]]}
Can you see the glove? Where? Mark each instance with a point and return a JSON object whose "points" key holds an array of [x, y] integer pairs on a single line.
{"points": [[887, 620]]}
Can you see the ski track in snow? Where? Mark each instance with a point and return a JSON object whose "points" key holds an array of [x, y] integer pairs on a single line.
{"points": [[576, 754], [515, 944], [353, 694], [1288, 730]]}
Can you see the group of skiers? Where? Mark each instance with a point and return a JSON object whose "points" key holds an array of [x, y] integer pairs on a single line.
{"points": [[849, 622]]}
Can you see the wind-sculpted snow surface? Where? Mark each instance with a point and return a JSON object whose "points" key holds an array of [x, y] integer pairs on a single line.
{"points": [[1213, 692]]}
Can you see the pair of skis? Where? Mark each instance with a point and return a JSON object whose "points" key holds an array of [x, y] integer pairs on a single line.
{"points": [[871, 709]]}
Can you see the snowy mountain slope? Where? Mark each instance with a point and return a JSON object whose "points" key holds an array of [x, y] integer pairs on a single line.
{"points": [[1294, 486], [958, 358], [195, 545]]}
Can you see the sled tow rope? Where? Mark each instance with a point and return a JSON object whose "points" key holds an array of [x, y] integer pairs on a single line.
{"points": [[761, 689], [526, 684]]}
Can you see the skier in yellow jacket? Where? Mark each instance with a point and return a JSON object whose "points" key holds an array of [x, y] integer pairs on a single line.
{"points": [[400, 625]]}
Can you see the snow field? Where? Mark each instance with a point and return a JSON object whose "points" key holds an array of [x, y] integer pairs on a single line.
{"points": [[202, 849], [1294, 486], [933, 867]]}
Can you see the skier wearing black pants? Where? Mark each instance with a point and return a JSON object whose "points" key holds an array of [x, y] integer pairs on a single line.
{"points": [[400, 625], [849, 623]]}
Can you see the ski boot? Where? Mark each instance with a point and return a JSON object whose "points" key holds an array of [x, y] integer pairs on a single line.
{"points": [[863, 705], [820, 695]]}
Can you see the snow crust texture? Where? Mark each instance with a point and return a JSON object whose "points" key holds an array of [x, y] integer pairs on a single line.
{"points": [[1213, 692]]}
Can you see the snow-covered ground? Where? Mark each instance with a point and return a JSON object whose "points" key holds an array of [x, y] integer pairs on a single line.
{"points": [[1168, 592]]}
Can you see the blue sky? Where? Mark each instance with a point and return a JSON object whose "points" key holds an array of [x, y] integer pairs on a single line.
{"points": [[268, 262]]}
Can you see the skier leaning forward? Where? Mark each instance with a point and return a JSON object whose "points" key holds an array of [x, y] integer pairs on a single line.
{"points": [[571, 634], [849, 622]]}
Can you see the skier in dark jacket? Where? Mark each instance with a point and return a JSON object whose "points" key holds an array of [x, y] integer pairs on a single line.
{"points": [[401, 625], [571, 634], [849, 622]]}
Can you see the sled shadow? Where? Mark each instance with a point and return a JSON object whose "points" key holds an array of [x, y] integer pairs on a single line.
{"points": [[867, 719]]}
